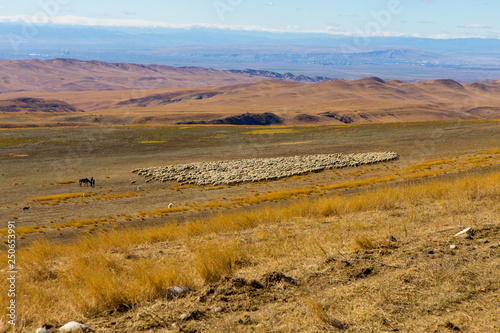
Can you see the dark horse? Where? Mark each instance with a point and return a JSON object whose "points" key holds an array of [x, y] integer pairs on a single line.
{"points": [[85, 181]]}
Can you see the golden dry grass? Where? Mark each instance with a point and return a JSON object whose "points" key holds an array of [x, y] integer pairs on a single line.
{"points": [[112, 196], [303, 238], [162, 211], [59, 284], [57, 198], [64, 182], [214, 260]]}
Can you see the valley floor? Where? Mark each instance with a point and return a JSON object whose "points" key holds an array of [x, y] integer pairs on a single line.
{"points": [[360, 249]]}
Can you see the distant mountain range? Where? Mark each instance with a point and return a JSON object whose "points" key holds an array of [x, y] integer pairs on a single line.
{"points": [[75, 75], [56, 91], [310, 54]]}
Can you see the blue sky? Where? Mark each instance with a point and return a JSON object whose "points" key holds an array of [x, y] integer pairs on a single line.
{"points": [[421, 18]]}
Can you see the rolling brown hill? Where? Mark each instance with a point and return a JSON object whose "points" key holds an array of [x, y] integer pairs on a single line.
{"points": [[75, 75], [328, 102], [359, 101]]}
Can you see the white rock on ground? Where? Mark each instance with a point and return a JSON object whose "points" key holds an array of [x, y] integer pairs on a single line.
{"points": [[177, 291], [42, 330], [74, 327]]}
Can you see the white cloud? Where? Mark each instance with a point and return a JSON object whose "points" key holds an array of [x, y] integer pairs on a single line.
{"points": [[270, 3], [334, 28], [89, 21], [112, 22]]}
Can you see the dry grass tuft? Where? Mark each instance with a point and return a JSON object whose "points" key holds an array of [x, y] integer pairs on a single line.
{"points": [[63, 182], [162, 211], [214, 260], [322, 317], [273, 196], [57, 198], [80, 223], [362, 242]]}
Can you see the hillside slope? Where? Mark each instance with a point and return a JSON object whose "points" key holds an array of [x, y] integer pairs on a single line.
{"points": [[358, 101], [76, 75], [128, 94]]}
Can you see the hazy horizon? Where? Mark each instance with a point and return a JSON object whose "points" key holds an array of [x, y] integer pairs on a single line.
{"points": [[422, 18], [391, 39]]}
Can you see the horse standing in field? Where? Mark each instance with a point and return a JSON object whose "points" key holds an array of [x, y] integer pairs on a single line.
{"points": [[85, 181]]}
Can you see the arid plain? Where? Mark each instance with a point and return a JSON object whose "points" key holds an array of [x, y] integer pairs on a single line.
{"points": [[357, 249]]}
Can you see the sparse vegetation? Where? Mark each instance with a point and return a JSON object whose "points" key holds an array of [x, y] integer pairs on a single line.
{"points": [[57, 198], [112, 196], [64, 182], [162, 211], [275, 130], [225, 245], [260, 265]]}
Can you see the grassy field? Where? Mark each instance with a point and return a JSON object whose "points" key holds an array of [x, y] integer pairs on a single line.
{"points": [[306, 253]]}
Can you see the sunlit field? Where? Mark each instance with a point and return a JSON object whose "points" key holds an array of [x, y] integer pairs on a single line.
{"points": [[355, 249]]}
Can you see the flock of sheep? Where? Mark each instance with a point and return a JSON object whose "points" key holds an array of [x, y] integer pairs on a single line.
{"points": [[258, 169]]}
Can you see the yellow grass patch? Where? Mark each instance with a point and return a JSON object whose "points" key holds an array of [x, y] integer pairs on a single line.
{"points": [[215, 260], [63, 182], [215, 247], [18, 155], [57, 198], [426, 165], [359, 183], [493, 151], [179, 187], [79, 223], [272, 131], [21, 230], [162, 211], [279, 195]]}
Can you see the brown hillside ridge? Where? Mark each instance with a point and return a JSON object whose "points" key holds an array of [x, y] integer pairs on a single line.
{"points": [[76, 75], [35, 105], [139, 94], [369, 100]]}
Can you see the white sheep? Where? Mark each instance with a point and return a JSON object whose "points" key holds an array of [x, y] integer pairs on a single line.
{"points": [[74, 326], [42, 329]]}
